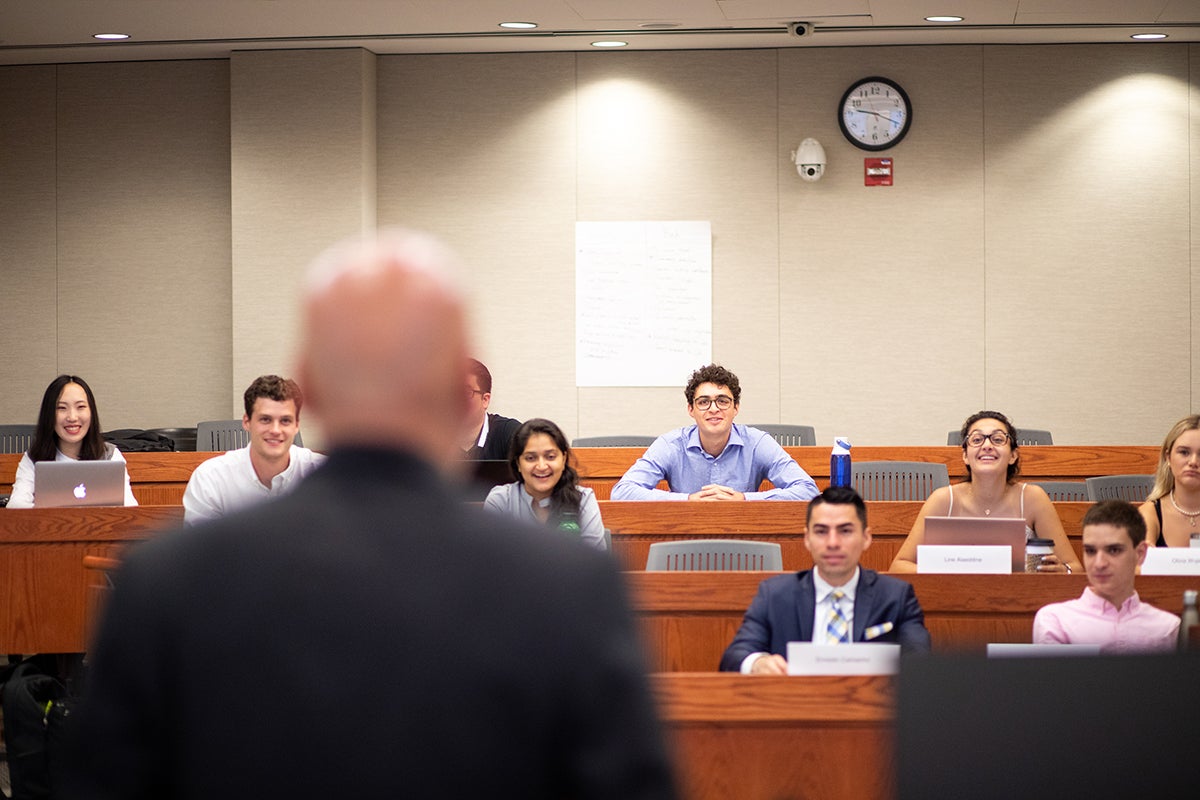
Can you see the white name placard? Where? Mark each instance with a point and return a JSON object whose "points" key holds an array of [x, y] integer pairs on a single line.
{"points": [[1172, 561], [806, 658], [970, 559]]}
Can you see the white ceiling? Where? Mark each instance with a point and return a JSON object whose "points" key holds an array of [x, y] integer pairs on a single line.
{"points": [[52, 31]]}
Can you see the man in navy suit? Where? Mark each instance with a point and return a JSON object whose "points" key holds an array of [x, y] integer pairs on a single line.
{"points": [[836, 601]]}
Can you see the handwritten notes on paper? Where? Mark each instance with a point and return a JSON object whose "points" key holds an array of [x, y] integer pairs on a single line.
{"points": [[643, 302]]}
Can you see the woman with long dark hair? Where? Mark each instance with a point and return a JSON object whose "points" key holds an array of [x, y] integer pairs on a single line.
{"points": [[68, 429], [548, 491]]}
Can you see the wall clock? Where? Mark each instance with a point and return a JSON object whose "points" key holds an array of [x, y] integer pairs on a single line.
{"points": [[875, 113]]}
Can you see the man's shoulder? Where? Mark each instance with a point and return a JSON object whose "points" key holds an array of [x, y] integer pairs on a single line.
{"points": [[496, 421], [222, 462]]}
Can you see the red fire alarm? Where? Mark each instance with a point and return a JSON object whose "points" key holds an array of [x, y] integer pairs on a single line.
{"points": [[877, 172]]}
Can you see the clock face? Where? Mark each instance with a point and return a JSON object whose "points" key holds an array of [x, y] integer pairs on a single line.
{"points": [[875, 114]]}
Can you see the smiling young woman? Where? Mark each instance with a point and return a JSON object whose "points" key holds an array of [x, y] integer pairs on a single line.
{"points": [[68, 429], [993, 461], [548, 492]]}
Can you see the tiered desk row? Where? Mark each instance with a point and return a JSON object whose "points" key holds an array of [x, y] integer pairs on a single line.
{"points": [[734, 735]]}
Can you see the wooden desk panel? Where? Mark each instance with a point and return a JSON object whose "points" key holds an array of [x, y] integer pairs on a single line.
{"points": [[765, 738], [689, 618], [44, 585], [636, 525], [601, 467], [160, 478]]}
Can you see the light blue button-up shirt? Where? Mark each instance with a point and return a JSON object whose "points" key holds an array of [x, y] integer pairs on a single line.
{"points": [[749, 457]]}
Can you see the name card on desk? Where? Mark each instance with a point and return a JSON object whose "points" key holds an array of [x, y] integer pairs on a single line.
{"points": [[806, 658], [968, 559], [1172, 561]]}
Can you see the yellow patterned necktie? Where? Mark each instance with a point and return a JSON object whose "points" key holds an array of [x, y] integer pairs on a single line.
{"points": [[838, 629]]}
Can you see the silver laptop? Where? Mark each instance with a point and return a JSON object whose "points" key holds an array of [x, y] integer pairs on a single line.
{"points": [[980, 530], [62, 484]]}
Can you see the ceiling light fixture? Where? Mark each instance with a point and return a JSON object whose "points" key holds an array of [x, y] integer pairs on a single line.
{"points": [[1145, 36], [944, 19], [110, 36], [609, 44], [520, 25]]}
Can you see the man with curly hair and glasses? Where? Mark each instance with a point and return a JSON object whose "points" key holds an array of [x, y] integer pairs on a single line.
{"points": [[714, 458]]}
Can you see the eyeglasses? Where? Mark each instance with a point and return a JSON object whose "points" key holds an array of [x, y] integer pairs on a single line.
{"points": [[998, 438], [471, 392], [723, 402]]}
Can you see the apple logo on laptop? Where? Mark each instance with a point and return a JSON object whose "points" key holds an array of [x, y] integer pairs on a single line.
{"points": [[81, 491]]}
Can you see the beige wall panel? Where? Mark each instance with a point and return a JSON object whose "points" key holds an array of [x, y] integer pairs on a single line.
{"points": [[883, 313], [1194, 168], [303, 177], [1087, 182], [143, 237], [28, 277], [690, 136], [480, 149]]}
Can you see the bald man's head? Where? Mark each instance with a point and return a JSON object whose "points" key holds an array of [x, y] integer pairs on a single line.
{"points": [[383, 344]]}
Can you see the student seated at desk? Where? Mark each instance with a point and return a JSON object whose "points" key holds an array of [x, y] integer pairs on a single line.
{"points": [[269, 466], [1177, 479], [1109, 613], [548, 492], [993, 460], [68, 429], [714, 459], [835, 602]]}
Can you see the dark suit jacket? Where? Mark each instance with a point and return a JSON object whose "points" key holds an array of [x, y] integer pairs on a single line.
{"points": [[367, 637], [501, 431], [782, 612]]}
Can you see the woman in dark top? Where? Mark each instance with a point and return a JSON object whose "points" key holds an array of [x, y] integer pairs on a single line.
{"points": [[1172, 523]]}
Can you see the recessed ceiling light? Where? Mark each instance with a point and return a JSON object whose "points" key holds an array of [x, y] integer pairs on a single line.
{"points": [[944, 19], [1148, 36], [110, 36], [609, 44], [522, 25], [659, 26]]}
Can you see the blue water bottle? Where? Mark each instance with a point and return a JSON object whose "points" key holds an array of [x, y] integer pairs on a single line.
{"points": [[839, 463]]}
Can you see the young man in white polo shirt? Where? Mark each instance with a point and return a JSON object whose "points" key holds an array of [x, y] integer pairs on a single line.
{"points": [[269, 466]]}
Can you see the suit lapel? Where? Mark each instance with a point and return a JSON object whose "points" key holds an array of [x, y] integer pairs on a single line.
{"points": [[806, 602], [864, 599]]}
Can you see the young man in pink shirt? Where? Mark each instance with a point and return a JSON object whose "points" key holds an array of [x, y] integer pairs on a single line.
{"points": [[1109, 613]]}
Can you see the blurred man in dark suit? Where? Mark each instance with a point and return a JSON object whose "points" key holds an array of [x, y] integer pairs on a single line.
{"points": [[368, 635]]}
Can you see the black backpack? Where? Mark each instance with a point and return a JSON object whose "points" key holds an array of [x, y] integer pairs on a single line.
{"points": [[37, 711]]}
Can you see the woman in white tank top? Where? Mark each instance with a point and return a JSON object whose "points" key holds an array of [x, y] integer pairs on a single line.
{"points": [[993, 460]]}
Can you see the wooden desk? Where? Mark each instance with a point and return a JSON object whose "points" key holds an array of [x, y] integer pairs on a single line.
{"points": [[160, 478], [766, 738], [689, 618], [636, 525], [601, 467], [43, 584]]}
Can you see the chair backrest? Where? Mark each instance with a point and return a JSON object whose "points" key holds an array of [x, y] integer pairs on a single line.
{"points": [[791, 435], [898, 480], [16, 438], [1132, 488], [613, 441], [1060, 491], [184, 438], [1025, 436], [226, 434], [715, 555]]}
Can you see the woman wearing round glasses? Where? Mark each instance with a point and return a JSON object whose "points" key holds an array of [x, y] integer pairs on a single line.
{"points": [[993, 460]]}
